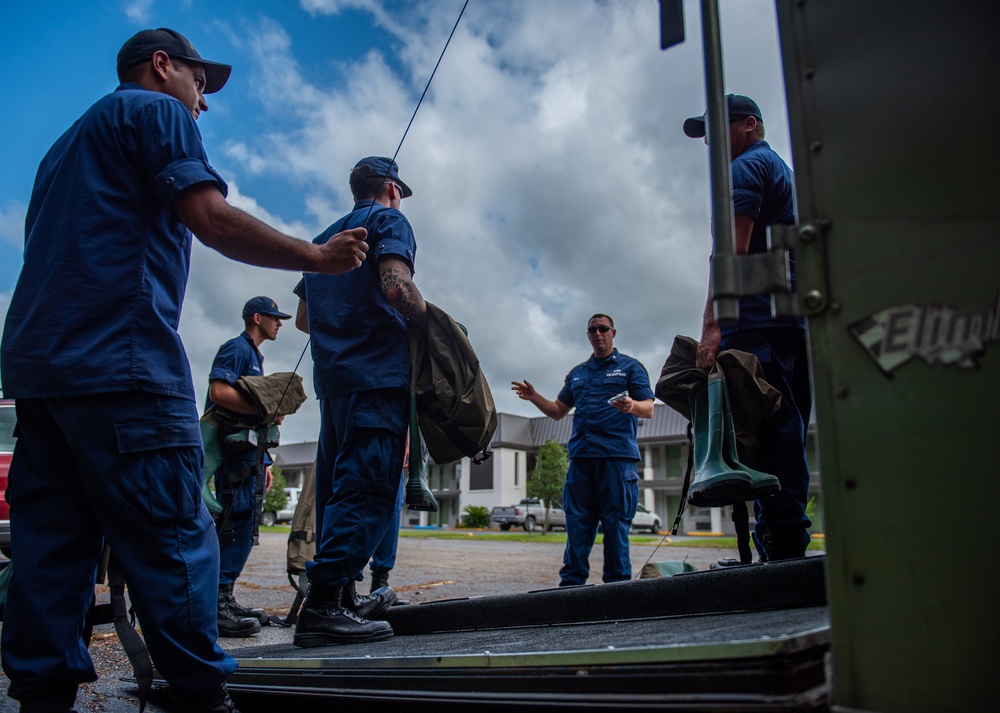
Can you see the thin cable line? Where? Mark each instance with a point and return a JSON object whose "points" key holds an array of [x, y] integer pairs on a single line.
{"points": [[372, 206]]}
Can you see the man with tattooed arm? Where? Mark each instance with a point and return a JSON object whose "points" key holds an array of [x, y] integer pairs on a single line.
{"points": [[359, 323]]}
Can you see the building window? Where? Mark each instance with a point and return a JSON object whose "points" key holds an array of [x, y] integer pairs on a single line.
{"points": [[481, 475], [517, 465], [676, 460]]}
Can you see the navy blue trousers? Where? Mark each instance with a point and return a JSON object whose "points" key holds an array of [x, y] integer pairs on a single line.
{"points": [[605, 491], [385, 554], [235, 551], [125, 468], [359, 464], [784, 360]]}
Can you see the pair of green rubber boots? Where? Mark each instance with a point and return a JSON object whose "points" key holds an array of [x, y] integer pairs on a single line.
{"points": [[719, 477]]}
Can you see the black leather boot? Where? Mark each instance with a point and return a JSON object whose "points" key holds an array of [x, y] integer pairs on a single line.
{"points": [[216, 700], [242, 611], [380, 578], [781, 543], [368, 606], [324, 621], [231, 625], [55, 698]]}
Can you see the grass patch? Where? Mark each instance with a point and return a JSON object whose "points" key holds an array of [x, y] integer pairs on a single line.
{"points": [[276, 528], [560, 537], [483, 534]]}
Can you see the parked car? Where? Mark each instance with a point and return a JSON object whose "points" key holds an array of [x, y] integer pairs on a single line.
{"points": [[528, 514], [7, 421], [645, 520], [270, 517]]}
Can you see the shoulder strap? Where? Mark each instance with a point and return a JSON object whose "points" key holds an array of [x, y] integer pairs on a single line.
{"points": [[117, 613]]}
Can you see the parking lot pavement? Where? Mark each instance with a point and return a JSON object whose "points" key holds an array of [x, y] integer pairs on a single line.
{"points": [[426, 570]]}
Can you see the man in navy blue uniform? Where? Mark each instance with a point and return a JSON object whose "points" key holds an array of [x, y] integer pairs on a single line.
{"points": [[109, 446], [763, 195], [611, 393], [237, 479], [384, 556], [358, 324]]}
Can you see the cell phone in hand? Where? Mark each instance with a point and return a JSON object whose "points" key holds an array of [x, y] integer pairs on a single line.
{"points": [[618, 397]]}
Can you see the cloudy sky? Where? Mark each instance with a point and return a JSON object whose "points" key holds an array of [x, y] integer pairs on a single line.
{"points": [[551, 177]]}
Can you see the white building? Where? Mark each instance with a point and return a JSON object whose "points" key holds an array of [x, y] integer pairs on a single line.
{"points": [[502, 479]]}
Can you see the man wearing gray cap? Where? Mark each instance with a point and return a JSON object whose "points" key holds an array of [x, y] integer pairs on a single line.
{"points": [[246, 464], [764, 194], [358, 324], [109, 446]]}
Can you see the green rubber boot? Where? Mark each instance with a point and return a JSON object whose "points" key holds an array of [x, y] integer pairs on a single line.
{"points": [[418, 496], [761, 484], [715, 483]]}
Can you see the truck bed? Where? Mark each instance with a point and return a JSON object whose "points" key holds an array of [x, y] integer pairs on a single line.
{"points": [[737, 639]]}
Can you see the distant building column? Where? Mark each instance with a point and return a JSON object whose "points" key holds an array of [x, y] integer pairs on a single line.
{"points": [[648, 495], [716, 519]]}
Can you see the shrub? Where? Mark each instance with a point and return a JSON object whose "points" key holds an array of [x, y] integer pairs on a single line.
{"points": [[476, 516], [276, 498], [549, 476]]}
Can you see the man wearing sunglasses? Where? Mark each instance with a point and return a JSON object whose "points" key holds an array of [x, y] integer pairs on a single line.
{"points": [[610, 392]]}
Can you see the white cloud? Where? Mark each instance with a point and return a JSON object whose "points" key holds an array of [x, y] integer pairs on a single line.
{"points": [[551, 176], [138, 11], [12, 224]]}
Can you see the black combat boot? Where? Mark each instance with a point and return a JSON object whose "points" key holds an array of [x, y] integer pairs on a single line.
{"points": [[324, 621], [216, 700], [781, 543], [230, 624], [380, 578], [54, 698], [242, 611], [367, 606]]}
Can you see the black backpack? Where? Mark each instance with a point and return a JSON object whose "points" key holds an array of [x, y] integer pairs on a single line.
{"points": [[454, 403]]}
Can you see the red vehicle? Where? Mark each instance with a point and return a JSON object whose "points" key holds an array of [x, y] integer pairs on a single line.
{"points": [[7, 420]]}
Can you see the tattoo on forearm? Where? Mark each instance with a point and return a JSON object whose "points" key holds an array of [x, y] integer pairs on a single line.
{"points": [[401, 292]]}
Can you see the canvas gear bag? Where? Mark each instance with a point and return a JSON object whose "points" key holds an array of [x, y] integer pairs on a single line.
{"points": [[278, 394], [740, 410], [301, 545], [455, 406], [302, 538]]}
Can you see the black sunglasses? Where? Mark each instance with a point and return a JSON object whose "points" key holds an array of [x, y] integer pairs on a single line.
{"points": [[602, 328]]}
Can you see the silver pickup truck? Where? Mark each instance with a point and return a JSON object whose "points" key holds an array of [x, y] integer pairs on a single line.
{"points": [[529, 514]]}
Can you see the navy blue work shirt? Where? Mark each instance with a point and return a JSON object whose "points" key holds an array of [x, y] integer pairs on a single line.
{"points": [[98, 300], [237, 358], [359, 340], [599, 429], [763, 189]]}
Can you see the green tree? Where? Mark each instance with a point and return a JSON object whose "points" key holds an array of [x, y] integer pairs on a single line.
{"points": [[476, 516], [549, 476], [276, 498]]}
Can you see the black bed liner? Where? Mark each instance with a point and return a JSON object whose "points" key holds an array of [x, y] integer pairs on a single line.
{"points": [[750, 638]]}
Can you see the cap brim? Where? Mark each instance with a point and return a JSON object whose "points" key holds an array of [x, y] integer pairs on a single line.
{"points": [[280, 315], [216, 74], [695, 127], [406, 189]]}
